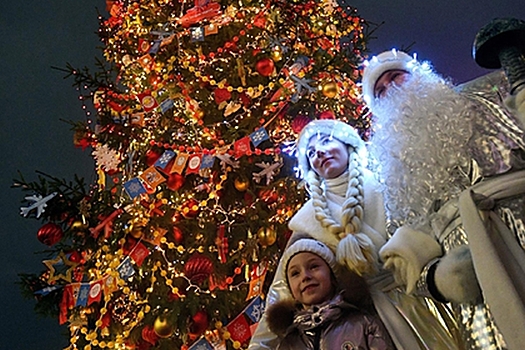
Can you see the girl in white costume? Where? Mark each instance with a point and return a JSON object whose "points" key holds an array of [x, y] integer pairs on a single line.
{"points": [[346, 212]]}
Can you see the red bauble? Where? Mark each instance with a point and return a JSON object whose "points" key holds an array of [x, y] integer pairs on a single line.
{"points": [[198, 268], [265, 66], [149, 335], [200, 323], [75, 256], [327, 115], [152, 156], [50, 233], [175, 181], [299, 122], [221, 95], [178, 237]]}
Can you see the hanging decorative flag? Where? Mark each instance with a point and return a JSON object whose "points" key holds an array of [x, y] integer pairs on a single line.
{"points": [[95, 292], [201, 344], [255, 309], [257, 276], [180, 163], [109, 284], [83, 294], [164, 159], [147, 101], [146, 62], [125, 269], [194, 163], [152, 177], [134, 187], [211, 29], [155, 47], [207, 161], [166, 105], [240, 147], [239, 329], [65, 303], [144, 45], [259, 136], [197, 34], [47, 290], [154, 236], [139, 253]]}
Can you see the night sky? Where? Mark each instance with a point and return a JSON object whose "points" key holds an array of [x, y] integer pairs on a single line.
{"points": [[37, 35]]}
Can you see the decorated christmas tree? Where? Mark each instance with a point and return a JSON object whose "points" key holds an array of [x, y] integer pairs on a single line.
{"points": [[191, 122]]}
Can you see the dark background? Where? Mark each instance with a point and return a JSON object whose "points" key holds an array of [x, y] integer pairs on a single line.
{"points": [[36, 35]]}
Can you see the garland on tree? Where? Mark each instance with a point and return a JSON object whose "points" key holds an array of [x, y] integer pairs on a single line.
{"points": [[196, 113]]}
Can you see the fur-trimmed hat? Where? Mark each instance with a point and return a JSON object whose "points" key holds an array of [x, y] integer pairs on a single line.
{"points": [[311, 246], [378, 65], [331, 127]]}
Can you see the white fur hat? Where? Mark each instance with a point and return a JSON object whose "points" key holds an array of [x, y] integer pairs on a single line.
{"points": [[334, 128], [311, 246], [377, 65]]}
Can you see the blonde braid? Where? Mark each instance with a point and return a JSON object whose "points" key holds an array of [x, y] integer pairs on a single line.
{"points": [[355, 250], [352, 208]]}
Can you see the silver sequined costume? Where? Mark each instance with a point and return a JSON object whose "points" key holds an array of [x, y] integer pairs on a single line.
{"points": [[495, 233]]}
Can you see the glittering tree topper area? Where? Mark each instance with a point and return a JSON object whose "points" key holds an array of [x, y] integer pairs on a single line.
{"points": [[192, 120]]}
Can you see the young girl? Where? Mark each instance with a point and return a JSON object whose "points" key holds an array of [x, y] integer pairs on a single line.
{"points": [[322, 314]]}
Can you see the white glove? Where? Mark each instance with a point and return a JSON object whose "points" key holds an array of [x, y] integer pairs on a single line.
{"points": [[516, 104], [407, 253], [455, 277]]}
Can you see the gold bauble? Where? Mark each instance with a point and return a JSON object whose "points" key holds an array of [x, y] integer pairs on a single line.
{"points": [[241, 184], [330, 89], [136, 231], [162, 327], [78, 225], [266, 236]]}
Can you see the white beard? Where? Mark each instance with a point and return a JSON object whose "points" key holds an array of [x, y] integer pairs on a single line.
{"points": [[420, 142]]}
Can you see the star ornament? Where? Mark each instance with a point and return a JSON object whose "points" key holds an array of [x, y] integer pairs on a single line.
{"points": [[60, 268]]}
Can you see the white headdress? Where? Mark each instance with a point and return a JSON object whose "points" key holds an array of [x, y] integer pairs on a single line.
{"points": [[378, 65]]}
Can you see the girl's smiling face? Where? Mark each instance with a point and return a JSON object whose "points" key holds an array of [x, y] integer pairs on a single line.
{"points": [[327, 156], [310, 279]]}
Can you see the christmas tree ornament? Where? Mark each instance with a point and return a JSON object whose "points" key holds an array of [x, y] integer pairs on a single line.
{"points": [[137, 230], [122, 309], [60, 268], [162, 327], [266, 236], [277, 53], [178, 236], [241, 184], [326, 115], [299, 122], [175, 181], [79, 226], [330, 89], [199, 324], [75, 257], [50, 233], [152, 155], [265, 66], [81, 139], [198, 268], [149, 335]]}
